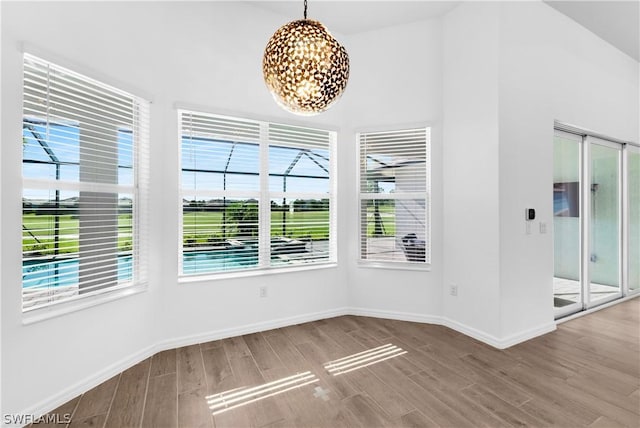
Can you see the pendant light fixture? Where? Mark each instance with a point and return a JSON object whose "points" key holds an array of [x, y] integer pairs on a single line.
{"points": [[304, 67]]}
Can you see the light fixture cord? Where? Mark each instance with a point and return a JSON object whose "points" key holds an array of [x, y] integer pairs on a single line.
{"points": [[305, 9]]}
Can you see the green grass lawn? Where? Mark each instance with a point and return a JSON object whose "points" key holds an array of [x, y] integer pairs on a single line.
{"points": [[389, 226], [200, 227], [42, 225], [388, 217], [38, 233], [203, 226]]}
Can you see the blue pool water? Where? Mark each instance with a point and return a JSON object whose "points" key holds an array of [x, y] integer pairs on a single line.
{"points": [[39, 273], [60, 273], [217, 261]]}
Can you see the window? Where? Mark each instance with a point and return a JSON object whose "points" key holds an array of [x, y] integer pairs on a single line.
{"points": [[83, 148], [394, 196], [254, 194]]}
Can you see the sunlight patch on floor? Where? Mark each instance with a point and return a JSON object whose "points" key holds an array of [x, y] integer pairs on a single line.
{"points": [[238, 397], [363, 359]]}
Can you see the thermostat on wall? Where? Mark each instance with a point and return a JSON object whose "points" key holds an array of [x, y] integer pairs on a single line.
{"points": [[530, 214]]}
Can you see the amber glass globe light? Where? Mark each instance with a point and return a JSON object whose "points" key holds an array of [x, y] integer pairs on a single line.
{"points": [[304, 67]]}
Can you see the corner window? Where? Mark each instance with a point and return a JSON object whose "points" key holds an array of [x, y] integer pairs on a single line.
{"points": [[394, 197], [83, 144], [255, 195]]}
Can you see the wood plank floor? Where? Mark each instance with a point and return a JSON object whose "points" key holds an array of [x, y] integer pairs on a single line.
{"points": [[585, 374]]}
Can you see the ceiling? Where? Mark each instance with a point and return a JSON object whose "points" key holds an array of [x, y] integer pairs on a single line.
{"points": [[353, 17], [617, 22]]}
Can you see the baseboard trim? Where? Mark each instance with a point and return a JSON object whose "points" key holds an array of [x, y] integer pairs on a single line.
{"points": [[523, 336], [248, 329], [472, 332], [500, 343], [457, 326], [80, 387], [391, 315]]}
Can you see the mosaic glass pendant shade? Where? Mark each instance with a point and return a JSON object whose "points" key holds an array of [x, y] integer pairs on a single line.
{"points": [[304, 67]]}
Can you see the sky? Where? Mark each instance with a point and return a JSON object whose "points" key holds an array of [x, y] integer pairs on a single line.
{"points": [[201, 154]]}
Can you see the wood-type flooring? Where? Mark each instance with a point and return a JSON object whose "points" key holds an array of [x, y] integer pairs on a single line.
{"points": [[384, 374]]}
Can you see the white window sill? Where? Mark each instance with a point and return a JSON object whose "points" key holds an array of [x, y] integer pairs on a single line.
{"points": [[424, 267], [78, 304], [185, 279]]}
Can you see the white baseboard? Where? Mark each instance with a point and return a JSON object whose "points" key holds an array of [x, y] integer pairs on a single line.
{"points": [[94, 380], [472, 332], [525, 335], [500, 343], [247, 329], [88, 383], [391, 315]]}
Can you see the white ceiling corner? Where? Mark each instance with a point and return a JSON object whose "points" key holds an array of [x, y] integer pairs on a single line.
{"points": [[615, 21], [353, 17]]}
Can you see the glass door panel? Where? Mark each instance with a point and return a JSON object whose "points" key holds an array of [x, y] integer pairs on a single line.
{"points": [[567, 288], [633, 176], [605, 223], [596, 224]]}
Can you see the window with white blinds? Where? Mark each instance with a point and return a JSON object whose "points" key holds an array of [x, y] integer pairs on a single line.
{"points": [[254, 194], [84, 171], [394, 196]]}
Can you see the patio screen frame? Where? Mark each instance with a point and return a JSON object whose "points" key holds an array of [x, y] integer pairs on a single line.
{"points": [[91, 118], [275, 245], [411, 148]]}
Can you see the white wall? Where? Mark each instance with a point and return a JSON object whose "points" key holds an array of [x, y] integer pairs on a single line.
{"points": [[396, 81], [224, 74], [204, 54], [565, 73], [471, 193], [506, 81], [485, 79]]}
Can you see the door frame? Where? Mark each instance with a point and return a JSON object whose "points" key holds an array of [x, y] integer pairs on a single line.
{"points": [[588, 143], [587, 138], [579, 305], [628, 149]]}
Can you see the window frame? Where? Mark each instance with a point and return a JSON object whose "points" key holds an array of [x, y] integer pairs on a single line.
{"points": [[427, 195], [137, 189], [264, 265]]}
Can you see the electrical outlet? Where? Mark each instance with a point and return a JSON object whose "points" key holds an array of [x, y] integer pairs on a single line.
{"points": [[453, 290], [263, 291], [543, 227]]}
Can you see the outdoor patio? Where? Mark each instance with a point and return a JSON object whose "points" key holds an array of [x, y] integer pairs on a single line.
{"points": [[567, 291]]}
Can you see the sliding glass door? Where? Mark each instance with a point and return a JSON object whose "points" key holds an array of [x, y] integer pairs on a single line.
{"points": [[604, 198], [596, 202], [633, 219], [567, 223]]}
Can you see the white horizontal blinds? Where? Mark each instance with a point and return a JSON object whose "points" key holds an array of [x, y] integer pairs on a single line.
{"points": [[298, 137], [80, 188], [141, 138], [300, 166], [254, 194], [393, 171], [219, 127], [220, 193]]}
